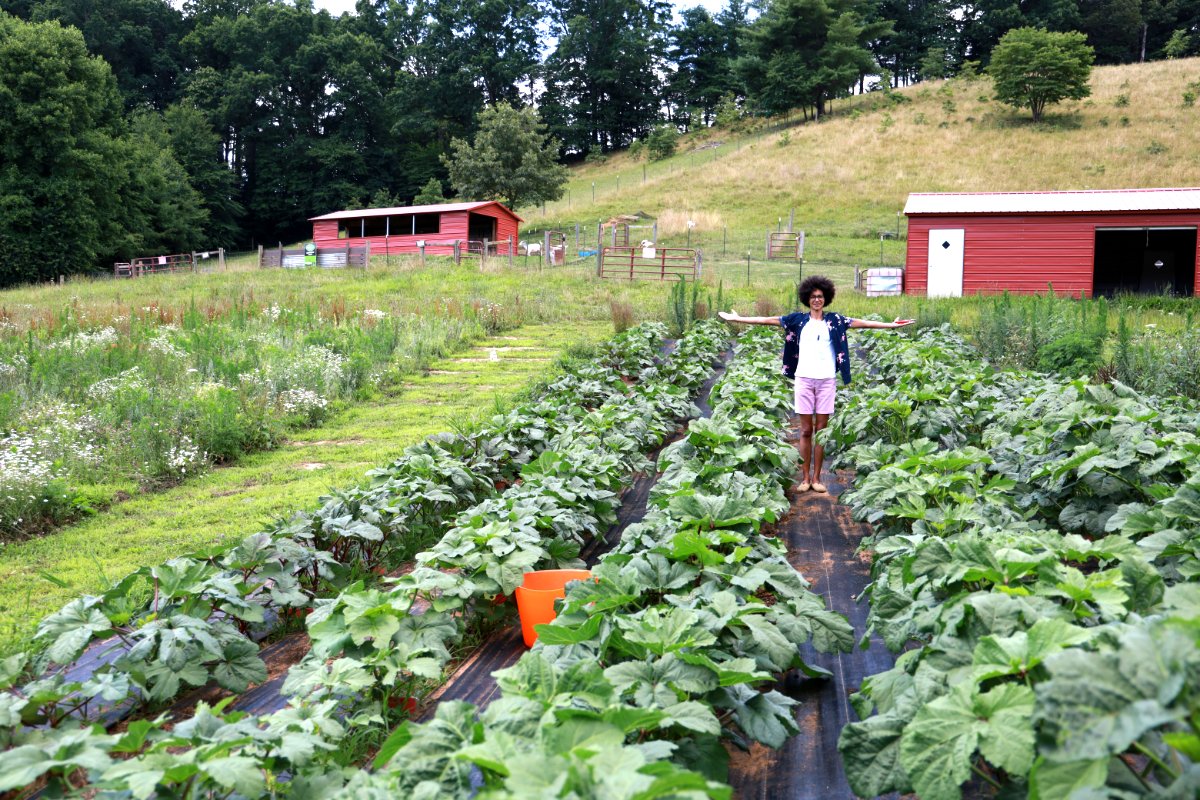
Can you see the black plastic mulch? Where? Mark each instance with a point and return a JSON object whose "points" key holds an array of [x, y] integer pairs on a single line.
{"points": [[821, 539]]}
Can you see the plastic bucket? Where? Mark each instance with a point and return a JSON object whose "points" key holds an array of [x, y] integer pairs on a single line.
{"points": [[536, 596]]}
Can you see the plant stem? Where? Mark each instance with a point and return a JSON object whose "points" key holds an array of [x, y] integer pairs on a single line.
{"points": [[1150, 754], [994, 784]]}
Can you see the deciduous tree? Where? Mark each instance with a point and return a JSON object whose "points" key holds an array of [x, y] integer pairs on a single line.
{"points": [[512, 160], [1033, 67]]}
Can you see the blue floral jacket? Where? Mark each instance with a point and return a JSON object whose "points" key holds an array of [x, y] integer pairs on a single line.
{"points": [[793, 323]]}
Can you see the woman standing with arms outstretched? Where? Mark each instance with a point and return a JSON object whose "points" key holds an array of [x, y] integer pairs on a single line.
{"points": [[815, 350]]}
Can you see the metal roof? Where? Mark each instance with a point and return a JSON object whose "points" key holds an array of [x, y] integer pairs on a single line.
{"points": [[430, 209], [1086, 201]]}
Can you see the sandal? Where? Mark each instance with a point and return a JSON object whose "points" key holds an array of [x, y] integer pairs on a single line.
{"points": [[819, 487], [803, 487]]}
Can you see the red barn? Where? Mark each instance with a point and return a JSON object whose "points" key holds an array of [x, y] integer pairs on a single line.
{"points": [[1094, 242], [399, 230]]}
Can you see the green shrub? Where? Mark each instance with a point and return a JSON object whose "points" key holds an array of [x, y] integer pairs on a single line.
{"points": [[661, 143], [1073, 355]]}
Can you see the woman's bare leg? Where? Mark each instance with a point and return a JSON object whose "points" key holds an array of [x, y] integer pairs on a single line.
{"points": [[818, 452], [806, 443]]}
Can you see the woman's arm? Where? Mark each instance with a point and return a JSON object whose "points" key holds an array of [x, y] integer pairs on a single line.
{"points": [[867, 323], [733, 316]]}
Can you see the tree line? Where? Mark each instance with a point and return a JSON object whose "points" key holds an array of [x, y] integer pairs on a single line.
{"points": [[130, 127]]}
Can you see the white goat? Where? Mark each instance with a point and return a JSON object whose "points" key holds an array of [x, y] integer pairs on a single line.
{"points": [[532, 248]]}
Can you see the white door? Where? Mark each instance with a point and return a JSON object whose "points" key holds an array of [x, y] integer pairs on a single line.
{"points": [[946, 262]]}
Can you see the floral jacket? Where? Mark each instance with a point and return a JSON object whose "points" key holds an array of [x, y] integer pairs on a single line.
{"points": [[793, 323]]}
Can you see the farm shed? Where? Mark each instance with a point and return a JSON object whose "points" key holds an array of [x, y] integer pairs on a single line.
{"points": [[400, 230], [1096, 242]]}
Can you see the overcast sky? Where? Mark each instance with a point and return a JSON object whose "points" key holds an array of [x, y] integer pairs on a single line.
{"points": [[336, 7]]}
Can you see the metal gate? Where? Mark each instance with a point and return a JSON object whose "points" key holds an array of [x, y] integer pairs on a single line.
{"points": [[649, 263], [785, 246]]}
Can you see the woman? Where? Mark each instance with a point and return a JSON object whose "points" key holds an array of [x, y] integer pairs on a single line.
{"points": [[815, 348]]}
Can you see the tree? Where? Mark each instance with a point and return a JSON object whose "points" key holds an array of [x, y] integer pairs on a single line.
{"points": [[431, 194], [702, 67], [603, 80], [512, 160], [1032, 67], [803, 53], [78, 188], [138, 38]]}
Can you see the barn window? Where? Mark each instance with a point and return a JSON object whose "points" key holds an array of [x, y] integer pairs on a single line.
{"points": [[427, 223], [375, 226]]}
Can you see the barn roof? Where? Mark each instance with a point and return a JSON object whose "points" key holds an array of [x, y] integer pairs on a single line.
{"points": [[430, 209], [1086, 201]]}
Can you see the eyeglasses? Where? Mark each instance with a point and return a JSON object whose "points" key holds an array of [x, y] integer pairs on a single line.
{"points": [[816, 297]]}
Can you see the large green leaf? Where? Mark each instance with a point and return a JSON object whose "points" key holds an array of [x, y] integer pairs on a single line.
{"points": [[871, 755]]}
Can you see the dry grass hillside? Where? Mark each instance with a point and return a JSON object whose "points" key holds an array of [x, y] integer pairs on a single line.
{"points": [[849, 174]]}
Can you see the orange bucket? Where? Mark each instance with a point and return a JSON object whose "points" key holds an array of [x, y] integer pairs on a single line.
{"points": [[536, 596]]}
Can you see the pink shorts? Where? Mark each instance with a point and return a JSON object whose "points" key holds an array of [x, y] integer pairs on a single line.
{"points": [[815, 395]]}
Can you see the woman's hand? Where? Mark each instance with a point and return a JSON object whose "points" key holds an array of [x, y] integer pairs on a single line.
{"points": [[728, 316]]}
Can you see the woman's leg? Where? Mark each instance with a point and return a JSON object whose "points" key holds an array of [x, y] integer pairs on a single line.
{"points": [[817, 423], [806, 442]]}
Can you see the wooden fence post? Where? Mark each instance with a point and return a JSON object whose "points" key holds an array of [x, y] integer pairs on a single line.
{"points": [[195, 263], [483, 255], [457, 252], [281, 255], [347, 254], [260, 254], [421, 251], [546, 259], [367, 256], [510, 251], [221, 259], [699, 264]]}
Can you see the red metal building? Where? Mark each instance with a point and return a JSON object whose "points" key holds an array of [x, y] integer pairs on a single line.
{"points": [[399, 230], [1094, 242]]}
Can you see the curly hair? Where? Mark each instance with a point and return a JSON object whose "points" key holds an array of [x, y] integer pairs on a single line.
{"points": [[816, 282]]}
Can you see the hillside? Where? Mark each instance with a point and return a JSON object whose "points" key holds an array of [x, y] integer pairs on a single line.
{"points": [[848, 175]]}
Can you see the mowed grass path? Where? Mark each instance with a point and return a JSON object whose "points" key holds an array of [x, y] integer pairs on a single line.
{"points": [[229, 503]]}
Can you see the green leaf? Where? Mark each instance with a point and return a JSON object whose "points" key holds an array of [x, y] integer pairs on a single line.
{"points": [[553, 633], [392, 744], [1049, 780], [766, 717], [240, 667], [937, 746], [871, 755], [70, 629], [692, 716], [1006, 735], [378, 625]]}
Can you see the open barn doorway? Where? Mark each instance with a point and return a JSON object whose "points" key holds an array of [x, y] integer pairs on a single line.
{"points": [[1144, 261], [480, 227]]}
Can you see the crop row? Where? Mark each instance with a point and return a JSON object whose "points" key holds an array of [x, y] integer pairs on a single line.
{"points": [[668, 652], [194, 620], [1035, 563]]}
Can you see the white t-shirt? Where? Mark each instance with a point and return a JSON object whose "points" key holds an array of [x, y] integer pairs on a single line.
{"points": [[816, 351]]}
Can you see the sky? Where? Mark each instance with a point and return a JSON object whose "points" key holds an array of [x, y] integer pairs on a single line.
{"points": [[337, 7]]}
